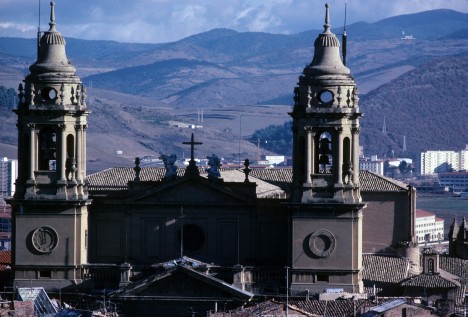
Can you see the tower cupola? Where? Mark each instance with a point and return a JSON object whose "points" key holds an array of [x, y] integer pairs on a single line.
{"points": [[327, 58], [52, 57]]}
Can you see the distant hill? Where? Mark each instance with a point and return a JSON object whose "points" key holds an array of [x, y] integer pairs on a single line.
{"points": [[427, 105]]}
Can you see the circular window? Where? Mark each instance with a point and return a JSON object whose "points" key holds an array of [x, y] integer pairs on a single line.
{"points": [[326, 96], [49, 94], [322, 243], [193, 238], [44, 239]]}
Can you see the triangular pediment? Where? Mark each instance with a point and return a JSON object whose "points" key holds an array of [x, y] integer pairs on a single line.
{"points": [[190, 190], [182, 282]]}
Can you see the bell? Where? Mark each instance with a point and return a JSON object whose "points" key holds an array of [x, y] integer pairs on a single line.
{"points": [[324, 146], [324, 159]]}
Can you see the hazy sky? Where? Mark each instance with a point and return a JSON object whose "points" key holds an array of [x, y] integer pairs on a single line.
{"points": [[158, 21]]}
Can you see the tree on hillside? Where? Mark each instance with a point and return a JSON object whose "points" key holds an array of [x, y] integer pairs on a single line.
{"points": [[275, 138]]}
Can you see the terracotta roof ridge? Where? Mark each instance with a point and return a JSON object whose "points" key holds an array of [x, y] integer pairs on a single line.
{"points": [[391, 180]]}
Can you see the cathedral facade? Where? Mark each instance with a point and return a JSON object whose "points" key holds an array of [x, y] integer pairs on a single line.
{"points": [[229, 235]]}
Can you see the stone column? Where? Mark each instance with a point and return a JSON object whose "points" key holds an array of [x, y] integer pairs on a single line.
{"points": [[355, 154], [78, 153], [309, 155], [62, 153], [83, 157], [339, 156], [32, 150]]}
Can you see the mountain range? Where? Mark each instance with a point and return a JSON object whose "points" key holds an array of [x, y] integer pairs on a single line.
{"points": [[244, 81]]}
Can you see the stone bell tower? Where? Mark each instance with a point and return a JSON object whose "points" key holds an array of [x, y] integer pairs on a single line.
{"points": [[50, 203], [326, 203]]}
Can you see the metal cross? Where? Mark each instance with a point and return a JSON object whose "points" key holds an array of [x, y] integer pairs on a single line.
{"points": [[192, 144]]}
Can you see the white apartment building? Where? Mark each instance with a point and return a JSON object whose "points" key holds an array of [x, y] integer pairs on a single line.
{"points": [[8, 174], [372, 166], [429, 228], [464, 159], [438, 161]]}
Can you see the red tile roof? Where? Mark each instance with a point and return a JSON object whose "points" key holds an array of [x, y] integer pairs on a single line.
{"points": [[423, 213], [5, 260]]}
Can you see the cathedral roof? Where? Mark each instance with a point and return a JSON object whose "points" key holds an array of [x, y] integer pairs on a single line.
{"points": [[269, 180], [372, 182], [51, 55], [117, 178], [369, 181]]}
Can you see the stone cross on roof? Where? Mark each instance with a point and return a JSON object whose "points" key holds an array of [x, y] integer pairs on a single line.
{"points": [[192, 169]]}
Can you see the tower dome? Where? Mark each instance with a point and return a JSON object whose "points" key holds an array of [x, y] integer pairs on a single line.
{"points": [[51, 55], [326, 59]]}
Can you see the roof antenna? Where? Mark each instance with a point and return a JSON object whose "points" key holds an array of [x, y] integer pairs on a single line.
{"points": [[39, 31], [343, 36]]}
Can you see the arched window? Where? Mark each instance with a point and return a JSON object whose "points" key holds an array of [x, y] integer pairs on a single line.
{"points": [[325, 153], [47, 149], [347, 163], [70, 164], [430, 266], [70, 146]]}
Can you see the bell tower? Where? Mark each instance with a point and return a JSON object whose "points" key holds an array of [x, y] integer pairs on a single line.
{"points": [[326, 203], [50, 204]]}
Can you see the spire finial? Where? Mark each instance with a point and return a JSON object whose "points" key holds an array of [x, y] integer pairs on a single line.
{"points": [[52, 16], [327, 18]]}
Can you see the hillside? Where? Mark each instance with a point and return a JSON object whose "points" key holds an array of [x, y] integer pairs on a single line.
{"points": [[427, 105]]}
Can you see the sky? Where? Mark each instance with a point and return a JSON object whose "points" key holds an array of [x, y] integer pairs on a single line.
{"points": [[158, 21]]}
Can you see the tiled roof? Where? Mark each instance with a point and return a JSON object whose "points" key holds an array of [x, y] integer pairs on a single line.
{"points": [[455, 266], [281, 177], [333, 308], [376, 268], [377, 275], [372, 182], [117, 178], [369, 181], [420, 213], [442, 280], [5, 260]]}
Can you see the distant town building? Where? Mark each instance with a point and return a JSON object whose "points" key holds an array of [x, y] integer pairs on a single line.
{"points": [[429, 228], [464, 159], [5, 227], [456, 181], [273, 159], [8, 174], [373, 164], [397, 161], [439, 162]]}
